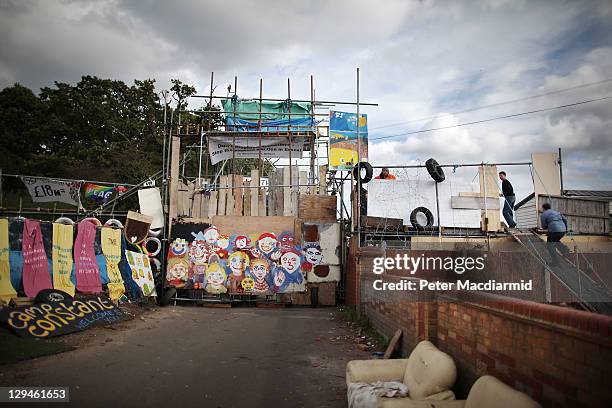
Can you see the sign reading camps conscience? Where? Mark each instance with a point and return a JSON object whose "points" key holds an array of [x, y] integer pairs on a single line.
{"points": [[56, 313], [220, 148], [45, 190]]}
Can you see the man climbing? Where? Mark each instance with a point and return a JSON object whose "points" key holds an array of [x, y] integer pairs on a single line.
{"points": [[509, 199], [385, 175], [556, 225]]}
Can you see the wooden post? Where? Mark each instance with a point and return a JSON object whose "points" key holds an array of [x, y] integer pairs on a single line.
{"points": [[286, 181]]}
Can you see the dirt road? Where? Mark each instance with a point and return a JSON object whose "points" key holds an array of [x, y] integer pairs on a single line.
{"points": [[192, 356]]}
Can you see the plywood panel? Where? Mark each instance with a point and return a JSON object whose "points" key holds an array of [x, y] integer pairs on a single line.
{"points": [[322, 179], [255, 182], [317, 207], [237, 194], [212, 203], [246, 206], [253, 225], [474, 203], [229, 196], [222, 196], [263, 202], [546, 178], [287, 207]]}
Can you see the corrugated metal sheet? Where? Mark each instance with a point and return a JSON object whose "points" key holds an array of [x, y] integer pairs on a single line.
{"points": [[527, 215]]}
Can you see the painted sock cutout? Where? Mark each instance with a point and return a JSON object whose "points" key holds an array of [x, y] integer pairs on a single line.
{"points": [[62, 257], [6, 288], [87, 272], [35, 263], [111, 248]]}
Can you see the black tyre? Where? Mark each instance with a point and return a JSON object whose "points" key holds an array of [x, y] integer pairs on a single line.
{"points": [[421, 218], [167, 296], [435, 171], [369, 172], [52, 296]]}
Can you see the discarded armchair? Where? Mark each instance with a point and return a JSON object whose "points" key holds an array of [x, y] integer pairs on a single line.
{"points": [[486, 392], [429, 374]]}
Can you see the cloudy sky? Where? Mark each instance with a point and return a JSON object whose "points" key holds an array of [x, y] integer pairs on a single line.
{"points": [[422, 61]]}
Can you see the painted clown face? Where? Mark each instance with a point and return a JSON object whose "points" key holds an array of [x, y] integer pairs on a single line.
{"points": [[286, 240], [211, 235], [279, 278], [260, 269], [313, 254], [179, 247], [223, 241], [178, 271], [290, 261], [215, 276], [266, 243], [242, 242], [198, 252], [238, 263]]}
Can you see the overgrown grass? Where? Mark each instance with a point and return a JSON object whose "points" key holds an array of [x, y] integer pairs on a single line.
{"points": [[351, 315]]}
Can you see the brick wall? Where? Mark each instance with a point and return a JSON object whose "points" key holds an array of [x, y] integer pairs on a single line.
{"points": [[560, 356]]}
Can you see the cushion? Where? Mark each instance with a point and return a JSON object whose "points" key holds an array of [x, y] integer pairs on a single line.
{"points": [[429, 371], [488, 391]]}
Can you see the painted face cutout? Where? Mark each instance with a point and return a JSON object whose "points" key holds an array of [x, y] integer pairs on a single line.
{"points": [[178, 271], [242, 242], [286, 240], [179, 247], [313, 254], [223, 241], [238, 262], [215, 275], [211, 235], [290, 261], [266, 242], [198, 251], [279, 278], [247, 284], [260, 269]]}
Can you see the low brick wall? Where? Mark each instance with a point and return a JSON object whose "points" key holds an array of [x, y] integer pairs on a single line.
{"points": [[557, 355]]}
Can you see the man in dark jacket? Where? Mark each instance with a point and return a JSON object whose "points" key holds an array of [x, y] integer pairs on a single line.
{"points": [[509, 199]]}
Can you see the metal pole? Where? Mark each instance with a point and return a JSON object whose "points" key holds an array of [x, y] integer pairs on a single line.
{"points": [[200, 161], [212, 76], [289, 134], [358, 170], [560, 171], [234, 135], [312, 123], [438, 213], [298, 100]]}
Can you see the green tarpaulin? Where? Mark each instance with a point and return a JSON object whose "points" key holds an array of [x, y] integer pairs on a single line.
{"points": [[249, 109]]}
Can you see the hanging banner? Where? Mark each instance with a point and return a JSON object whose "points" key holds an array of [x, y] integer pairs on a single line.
{"points": [[35, 264], [56, 313], [86, 266], [220, 148], [111, 248], [100, 194], [45, 190], [141, 272], [6, 288], [343, 139], [62, 257]]}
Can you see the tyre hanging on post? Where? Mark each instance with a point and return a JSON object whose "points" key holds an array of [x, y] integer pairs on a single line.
{"points": [[435, 170], [421, 218], [369, 172]]}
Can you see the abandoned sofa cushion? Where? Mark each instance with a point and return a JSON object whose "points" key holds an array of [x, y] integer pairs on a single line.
{"points": [[429, 371]]}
